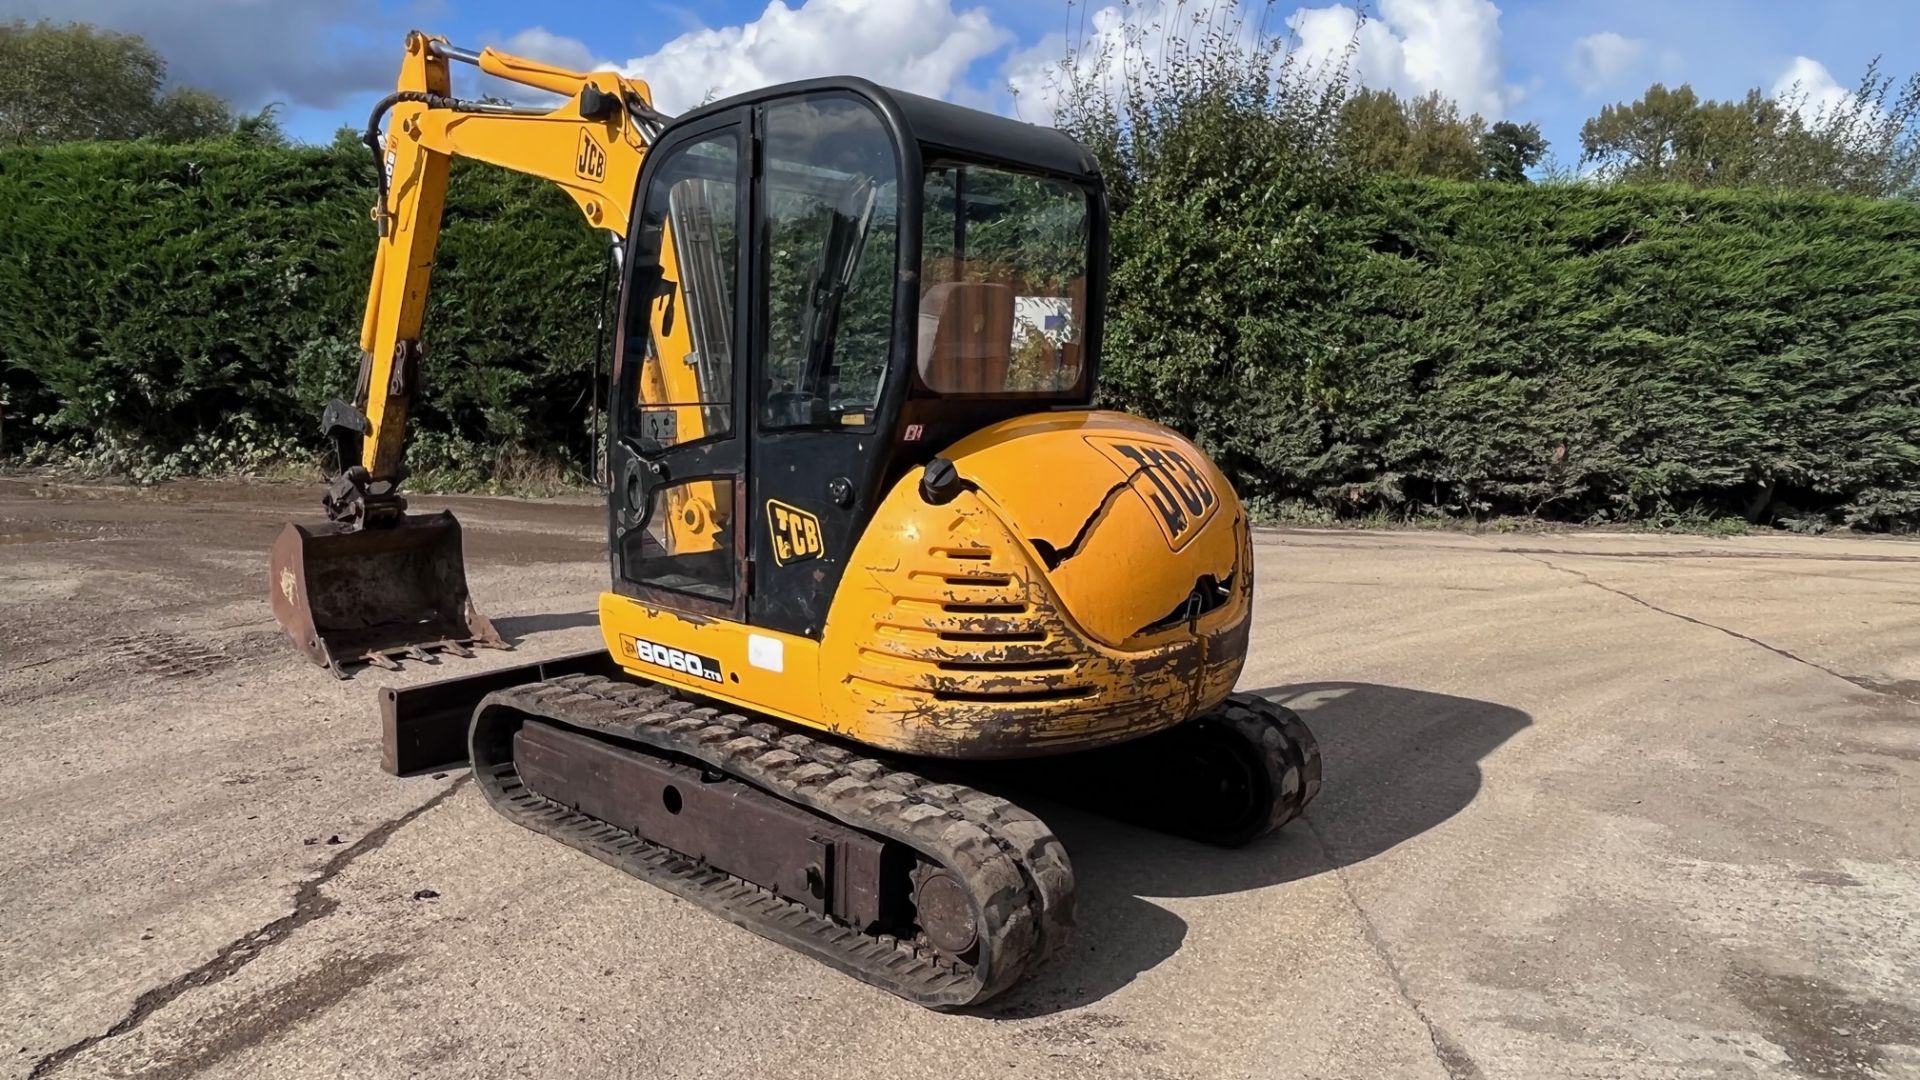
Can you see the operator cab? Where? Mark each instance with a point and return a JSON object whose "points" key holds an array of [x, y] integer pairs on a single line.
{"points": [[826, 284]]}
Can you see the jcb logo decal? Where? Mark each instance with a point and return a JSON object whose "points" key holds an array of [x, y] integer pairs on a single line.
{"points": [[1169, 481], [591, 162], [796, 533]]}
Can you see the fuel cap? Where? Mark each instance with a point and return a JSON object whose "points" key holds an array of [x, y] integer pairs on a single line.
{"points": [[940, 482]]}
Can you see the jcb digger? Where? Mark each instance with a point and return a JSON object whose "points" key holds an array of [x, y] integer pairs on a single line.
{"points": [[866, 530]]}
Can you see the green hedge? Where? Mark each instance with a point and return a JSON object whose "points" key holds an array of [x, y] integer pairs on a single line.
{"points": [[1577, 352], [163, 295]]}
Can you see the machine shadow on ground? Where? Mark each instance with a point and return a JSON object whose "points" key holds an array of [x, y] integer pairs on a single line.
{"points": [[1397, 763], [515, 628]]}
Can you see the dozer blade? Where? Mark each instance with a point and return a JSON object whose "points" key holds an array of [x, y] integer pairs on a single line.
{"points": [[369, 596]]}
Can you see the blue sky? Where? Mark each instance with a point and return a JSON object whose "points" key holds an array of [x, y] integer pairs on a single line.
{"points": [[1551, 62]]}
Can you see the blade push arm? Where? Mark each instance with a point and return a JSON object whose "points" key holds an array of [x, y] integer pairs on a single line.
{"points": [[591, 145]]}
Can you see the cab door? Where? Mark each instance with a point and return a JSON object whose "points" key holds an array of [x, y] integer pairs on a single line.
{"points": [[677, 459], [828, 271]]}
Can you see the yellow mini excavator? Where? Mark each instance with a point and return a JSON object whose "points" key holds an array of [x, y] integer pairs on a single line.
{"points": [[864, 523]]}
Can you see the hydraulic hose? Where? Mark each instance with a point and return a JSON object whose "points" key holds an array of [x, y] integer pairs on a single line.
{"points": [[372, 139]]}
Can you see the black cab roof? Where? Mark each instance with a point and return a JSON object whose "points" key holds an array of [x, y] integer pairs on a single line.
{"points": [[939, 125]]}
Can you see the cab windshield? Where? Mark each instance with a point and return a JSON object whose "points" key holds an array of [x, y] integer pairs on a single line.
{"points": [[1003, 283]]}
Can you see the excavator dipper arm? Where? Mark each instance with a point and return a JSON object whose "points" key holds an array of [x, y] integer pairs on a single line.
{"points": [[373, 583], [591, 146]]}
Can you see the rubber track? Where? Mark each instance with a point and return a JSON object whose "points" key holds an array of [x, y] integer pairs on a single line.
{"points": [[1290, 752], [1013, 867]]}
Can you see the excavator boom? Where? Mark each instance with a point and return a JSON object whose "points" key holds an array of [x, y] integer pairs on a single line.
{"points": [[373, 582]]}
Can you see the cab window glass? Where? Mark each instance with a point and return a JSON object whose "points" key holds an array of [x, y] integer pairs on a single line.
{"points": [[832, 205], [1003, 282], [684, 391]]}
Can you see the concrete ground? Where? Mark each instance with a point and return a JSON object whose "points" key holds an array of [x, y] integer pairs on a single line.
{"points": [[1596, 806]]}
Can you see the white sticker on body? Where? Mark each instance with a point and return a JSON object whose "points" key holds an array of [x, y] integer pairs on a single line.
{"points": [[766, 652]]}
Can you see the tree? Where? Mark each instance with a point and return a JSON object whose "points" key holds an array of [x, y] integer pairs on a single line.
{"points": [[1672, 136], [1425, 136], [1445, 144], [1641, 139], [1864, 143], [261, 129], [1375, 133], [74, 82], [186, 114], [1509, 150]]}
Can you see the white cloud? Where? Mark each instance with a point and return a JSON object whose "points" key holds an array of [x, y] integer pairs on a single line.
{"points": [[1114, 41], [1811, 89], [1412, 47], [1597, 61], [1033, 74], [1415, 47], [539, 43], [921, 46]]}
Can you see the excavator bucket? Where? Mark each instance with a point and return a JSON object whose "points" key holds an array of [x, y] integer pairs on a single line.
{"points": [[375, 595]]}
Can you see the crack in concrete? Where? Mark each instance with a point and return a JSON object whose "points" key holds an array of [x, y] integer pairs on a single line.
{"points": [[308, 905], [1871, 686], [1452, 1057]]}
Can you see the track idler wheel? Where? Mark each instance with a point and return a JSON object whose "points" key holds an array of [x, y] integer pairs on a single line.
{"points": [[945, 912]]}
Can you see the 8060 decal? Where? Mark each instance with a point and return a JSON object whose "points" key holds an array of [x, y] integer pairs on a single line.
{"points": [[687, 663]]}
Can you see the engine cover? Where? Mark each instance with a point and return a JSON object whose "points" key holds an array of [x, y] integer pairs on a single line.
{"points": [[1090, 582]]}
